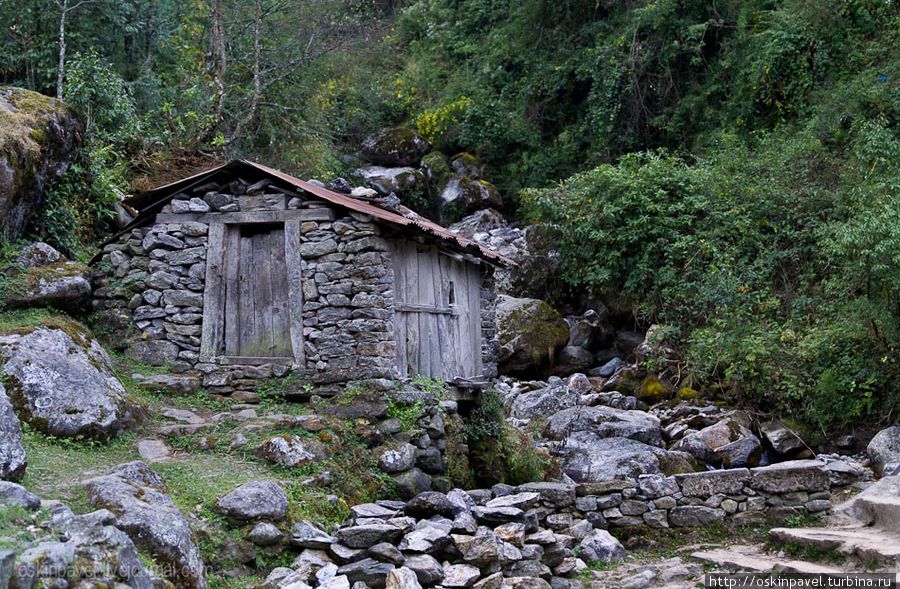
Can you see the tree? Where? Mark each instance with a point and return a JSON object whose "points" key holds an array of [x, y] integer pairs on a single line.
{"points": [[64, 10]]}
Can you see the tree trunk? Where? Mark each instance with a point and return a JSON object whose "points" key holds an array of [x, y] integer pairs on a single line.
{"points": [[61, 68]]}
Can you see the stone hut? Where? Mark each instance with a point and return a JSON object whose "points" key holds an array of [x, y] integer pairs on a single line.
{"points": [[244, 272]]}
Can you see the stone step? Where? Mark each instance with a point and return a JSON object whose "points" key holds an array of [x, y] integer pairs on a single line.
{"points": [[864, 545], [879, 511], [751, 559]]}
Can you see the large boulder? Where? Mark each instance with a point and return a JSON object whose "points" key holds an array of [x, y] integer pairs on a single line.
{"points": [[394, 147], [545, 401], [12, 453], [403, 180], [884, 451], [61, 382], [605, 422], [463, 195], [727, 443], [479, 223], [531, 333], [601, 546], [79, 551], [138, 498], [43, 277], [291, 451], [39, 138], [254, 501], [586, 457]]}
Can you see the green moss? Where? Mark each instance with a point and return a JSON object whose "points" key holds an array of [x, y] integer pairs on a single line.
{"points": [[408, 415], [687, 394], [651, 390]]}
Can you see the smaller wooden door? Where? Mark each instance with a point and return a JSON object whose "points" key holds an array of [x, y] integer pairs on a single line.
{"points": [[257, 322], [437, 313]]}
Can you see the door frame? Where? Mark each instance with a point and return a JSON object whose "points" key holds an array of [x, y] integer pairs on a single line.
{"points": [[212, 340]]}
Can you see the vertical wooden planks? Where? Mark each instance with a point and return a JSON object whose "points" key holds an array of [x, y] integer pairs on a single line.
{"points": [[411, 293], [246, 310], [263, 341], [231, 292], [293, 262], [476, 366], [213, 296], [281, 331]]}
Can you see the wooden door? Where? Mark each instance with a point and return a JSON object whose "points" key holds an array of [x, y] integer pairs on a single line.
{"points": [[437, 313], [257, 317]]}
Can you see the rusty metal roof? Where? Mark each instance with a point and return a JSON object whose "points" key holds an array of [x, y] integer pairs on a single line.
{"points": [[149, 203]]}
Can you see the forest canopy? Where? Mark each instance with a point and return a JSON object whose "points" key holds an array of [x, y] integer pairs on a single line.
{"points": [[729, 168]]}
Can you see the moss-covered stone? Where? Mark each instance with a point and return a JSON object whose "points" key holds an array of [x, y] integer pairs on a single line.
{"points": [[39, 137], [651, 390], [531, 332], [396, 146]]}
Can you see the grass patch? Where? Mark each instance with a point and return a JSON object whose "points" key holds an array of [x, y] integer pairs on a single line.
{"points": [[407, 414]]}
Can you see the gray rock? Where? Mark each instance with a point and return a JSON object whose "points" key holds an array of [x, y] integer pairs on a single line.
{"points": [[394, 147], [558, 494], [85, 551], [147, 514], [426, 538], [610, 367], [428, 570], [411, 483], [605, 422], [782, 440], [256, 500], [695, 516], [398, 459], [291, 451], [154, 451], [12, 494], [530, 333], [430, 503], [365, 536], [522, 501], [727, 442], [740, 453], [485, 548], [65, 387], [586, 457], [402, 180], [49, 280], [336, 582], [12, 452], [402, 578], [884, 450], [460, 576], [305, 534], [601, 546], [368, 571], [168, 383], [705, 484], [153, 352], [387, 552], [41, 139], [265, 534], [790, 476], [543, 402]]}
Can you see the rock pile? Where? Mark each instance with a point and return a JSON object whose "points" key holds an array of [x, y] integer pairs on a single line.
{"points": [[43, 277], [486, 539]]}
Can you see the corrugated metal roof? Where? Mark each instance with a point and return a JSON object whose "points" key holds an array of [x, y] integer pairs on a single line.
{"points": [[148, 204]]}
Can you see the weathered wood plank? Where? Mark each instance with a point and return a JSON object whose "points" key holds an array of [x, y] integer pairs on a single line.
{"points": [[213, 299], [281, 330], [412, 295], [426, 323], [232, 293], [444, 365], [477, 365], [294, 265], [246, 312], [426, 309], [318, 214], [262, 294]]}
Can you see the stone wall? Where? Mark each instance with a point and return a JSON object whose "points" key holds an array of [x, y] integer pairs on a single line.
{"points": [[155, 276], [739, 496]]}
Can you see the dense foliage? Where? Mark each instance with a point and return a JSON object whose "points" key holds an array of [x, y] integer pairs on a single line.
{"points": [[733, 165]]}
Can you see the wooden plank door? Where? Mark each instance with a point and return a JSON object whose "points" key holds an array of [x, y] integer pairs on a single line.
{"points": [[437, 318], [257, 313]]}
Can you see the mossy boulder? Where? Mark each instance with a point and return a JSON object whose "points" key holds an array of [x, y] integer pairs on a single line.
{"points": [[396, 146], [651, 390], [12, 452], [39, 138], [43, 277], [402, 181], [531, 333], [61, 381], [466, 164], [463, 195]]}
